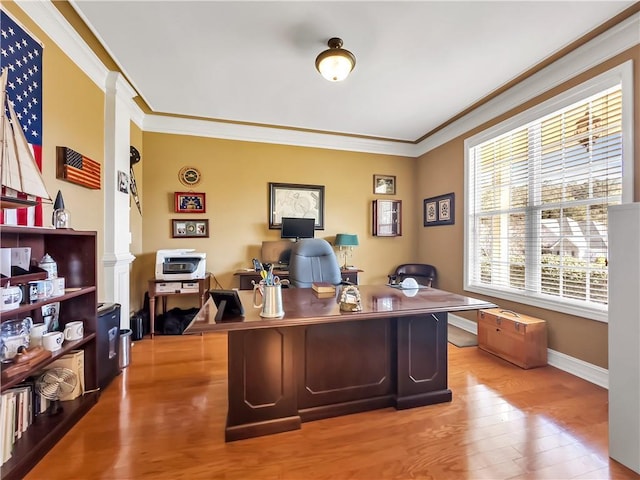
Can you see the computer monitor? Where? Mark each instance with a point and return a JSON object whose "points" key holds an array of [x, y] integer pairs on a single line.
{"points": [[297, 227], [228, 303]]}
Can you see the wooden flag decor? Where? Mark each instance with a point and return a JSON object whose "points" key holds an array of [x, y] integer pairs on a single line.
{"points": [[76, 168]]}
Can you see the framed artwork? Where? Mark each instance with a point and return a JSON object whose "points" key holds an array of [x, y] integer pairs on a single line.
{"points": [[384, 184], [439, 210], [123, 182], [190, 202], [189, 176], [189, 228], [299, 201]]}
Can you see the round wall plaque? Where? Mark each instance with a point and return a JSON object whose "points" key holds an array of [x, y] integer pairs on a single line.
{"points": [[189, 176]]}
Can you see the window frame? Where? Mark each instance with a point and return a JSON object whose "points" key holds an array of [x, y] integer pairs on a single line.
{"points": [[622, 75]]}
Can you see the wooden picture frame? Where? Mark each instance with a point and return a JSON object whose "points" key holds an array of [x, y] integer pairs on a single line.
{"points": [[293, 200], [384, 184], [190, 202], [439, 210], [192, 228], [387, 218]]}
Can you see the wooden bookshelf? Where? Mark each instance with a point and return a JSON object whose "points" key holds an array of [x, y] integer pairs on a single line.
{"points": [[75, 253]]}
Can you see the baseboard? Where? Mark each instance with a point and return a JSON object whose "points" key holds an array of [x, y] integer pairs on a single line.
{"points": [[587, 371]]}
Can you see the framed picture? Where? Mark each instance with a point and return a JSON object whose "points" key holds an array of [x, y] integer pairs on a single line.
{"points": [[189, 202], [123, 182], [189, 228], [439, 210], [384, 184], [299, 201]]}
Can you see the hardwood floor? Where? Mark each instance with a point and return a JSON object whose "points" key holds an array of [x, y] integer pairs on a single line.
{"points": [[164, 417]]}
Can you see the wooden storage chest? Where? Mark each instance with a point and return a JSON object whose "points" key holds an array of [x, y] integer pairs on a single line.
{"points": [[517, 338]]}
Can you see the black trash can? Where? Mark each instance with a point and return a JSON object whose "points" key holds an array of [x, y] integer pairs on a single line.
{"points": [[108, 343], [137, 329]]}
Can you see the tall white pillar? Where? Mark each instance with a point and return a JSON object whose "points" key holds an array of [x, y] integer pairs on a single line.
{"points": [[117, 235], [624, 334]]}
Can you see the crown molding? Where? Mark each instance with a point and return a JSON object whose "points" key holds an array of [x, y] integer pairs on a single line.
{"points": [[614, 41], [53, 23], [281, 136]]}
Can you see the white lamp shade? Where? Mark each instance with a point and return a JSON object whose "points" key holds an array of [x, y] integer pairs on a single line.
{"points": [[335, 68], [335, 64]]}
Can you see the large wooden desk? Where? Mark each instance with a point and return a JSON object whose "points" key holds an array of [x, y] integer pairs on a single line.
{"points": [[203, 293], [318, 362], [247, 276]]}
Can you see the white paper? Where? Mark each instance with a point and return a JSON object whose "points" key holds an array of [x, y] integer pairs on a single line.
{"points": [[21, 257], [5, 261]]}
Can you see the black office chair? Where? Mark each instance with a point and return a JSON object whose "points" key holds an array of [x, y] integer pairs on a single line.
{"points": [[313, 260], [423, 274]]}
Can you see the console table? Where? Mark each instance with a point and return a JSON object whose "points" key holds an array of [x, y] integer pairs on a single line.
{"points": [[318, 362], [180, 289], [247, 276]]}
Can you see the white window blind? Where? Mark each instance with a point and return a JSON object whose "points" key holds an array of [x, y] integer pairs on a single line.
{"points": [[536, 223]]}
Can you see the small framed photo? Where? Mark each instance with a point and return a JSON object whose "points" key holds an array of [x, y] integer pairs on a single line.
{"points": [[190, 202], [384, 184], [123, 182], [439, 210], [189, 228]]}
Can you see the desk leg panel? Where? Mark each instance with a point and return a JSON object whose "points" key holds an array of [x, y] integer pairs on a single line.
{"points": [[343, 366], [422, 360], [261, 390]]}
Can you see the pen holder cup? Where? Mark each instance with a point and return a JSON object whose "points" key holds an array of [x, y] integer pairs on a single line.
{"points": [[271, 300]]}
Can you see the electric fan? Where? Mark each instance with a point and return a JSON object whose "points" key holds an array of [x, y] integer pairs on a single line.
{"points": [[54, 383]]}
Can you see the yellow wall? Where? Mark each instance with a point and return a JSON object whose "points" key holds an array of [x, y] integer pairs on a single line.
{"points": [[137, 280], [235, 178], [73, 116], [442, 170]]}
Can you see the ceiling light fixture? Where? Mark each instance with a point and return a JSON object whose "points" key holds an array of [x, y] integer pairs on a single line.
{"points": [[336, 63]]}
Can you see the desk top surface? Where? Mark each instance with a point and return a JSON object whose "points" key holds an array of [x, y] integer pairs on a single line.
{"points": [[303, 307], [281, 272]]}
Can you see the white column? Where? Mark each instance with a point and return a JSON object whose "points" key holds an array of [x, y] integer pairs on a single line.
{"points": [[117, 235]]}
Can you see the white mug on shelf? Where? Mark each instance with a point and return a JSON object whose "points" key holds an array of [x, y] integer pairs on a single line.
{"points": [[35, 336], [74, 330], [58, 286], [11, 298], [52, 341], [43, 287]]}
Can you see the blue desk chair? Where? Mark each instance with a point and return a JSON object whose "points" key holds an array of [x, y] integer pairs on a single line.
{"points": [[313, 260]]}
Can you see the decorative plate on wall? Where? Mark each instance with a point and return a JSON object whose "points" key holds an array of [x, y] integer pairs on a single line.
{"points": [[189, 176]]}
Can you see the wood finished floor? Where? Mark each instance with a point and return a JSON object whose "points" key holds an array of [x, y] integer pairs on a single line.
{"points": [[164, 417]]}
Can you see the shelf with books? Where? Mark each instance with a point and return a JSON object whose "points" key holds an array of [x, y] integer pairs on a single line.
{"points": [[75, 255]]}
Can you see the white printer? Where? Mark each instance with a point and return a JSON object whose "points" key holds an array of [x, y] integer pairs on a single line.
{"points": [[180, 264]]}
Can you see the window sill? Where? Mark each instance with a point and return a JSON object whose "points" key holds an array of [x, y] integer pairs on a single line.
{"points": [[577, 310]]}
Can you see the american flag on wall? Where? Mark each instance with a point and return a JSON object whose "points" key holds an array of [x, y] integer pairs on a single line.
{"points": [[76, 168], [21, 54]]}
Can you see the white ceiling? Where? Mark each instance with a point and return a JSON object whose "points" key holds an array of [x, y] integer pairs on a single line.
{"points": [[419, 63]]}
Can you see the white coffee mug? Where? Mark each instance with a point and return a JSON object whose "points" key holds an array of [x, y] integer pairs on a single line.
{"points": [[52, 341], [11, 298], [37, 331], [58, 286], [74, 330], [44, 287]]}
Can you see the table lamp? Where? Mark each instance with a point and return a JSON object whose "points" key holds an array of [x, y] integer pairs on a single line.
{"points": [[346, 242]]}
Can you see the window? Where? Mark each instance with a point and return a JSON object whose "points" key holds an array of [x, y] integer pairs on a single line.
{"points": [[538, 188]]}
